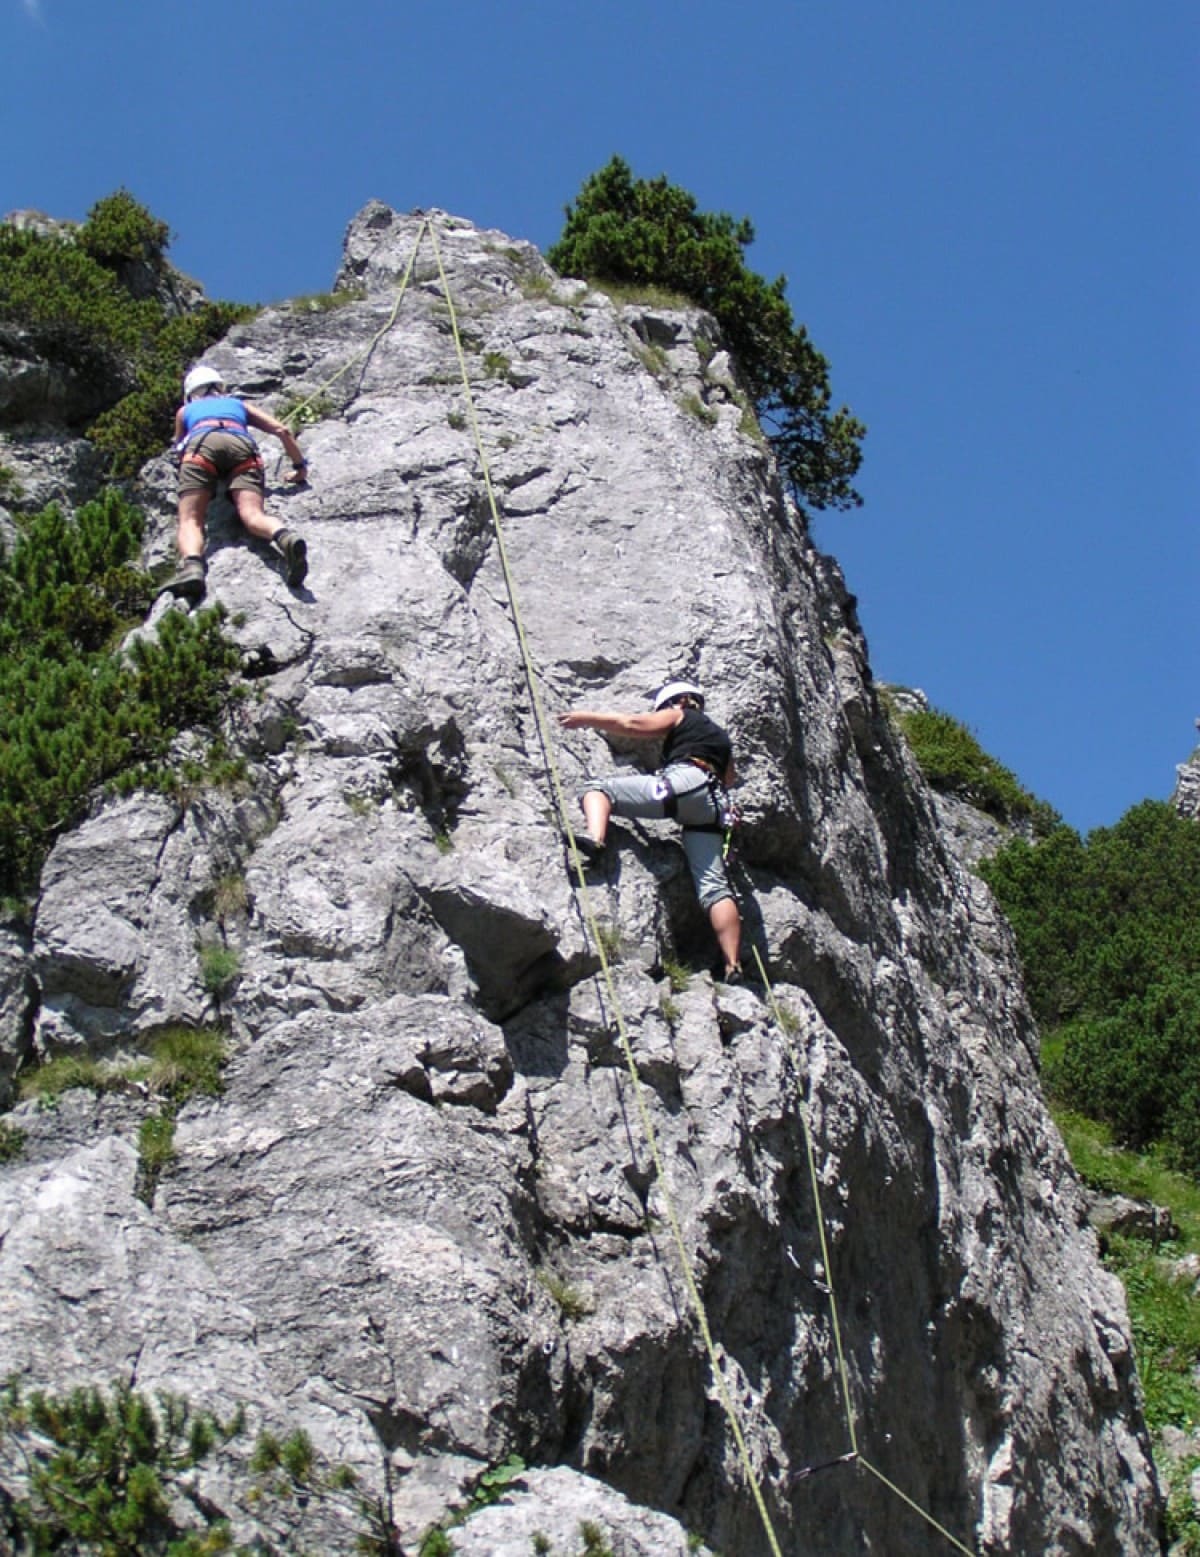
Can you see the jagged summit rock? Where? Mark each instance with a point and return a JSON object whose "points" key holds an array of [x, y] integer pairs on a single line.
{"points": [[1186, 798], [423, 1221]]}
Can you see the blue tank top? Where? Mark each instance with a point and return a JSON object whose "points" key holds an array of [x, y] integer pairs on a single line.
{"points": [[219, 410]]}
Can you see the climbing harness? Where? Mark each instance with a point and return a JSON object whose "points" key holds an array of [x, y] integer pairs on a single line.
{"points": [[728, 816], [192, 456], [725, 812]]}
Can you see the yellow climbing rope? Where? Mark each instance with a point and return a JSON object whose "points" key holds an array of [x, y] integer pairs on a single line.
{"points": [[855, 1455], [826, 1268], [292, 420]]}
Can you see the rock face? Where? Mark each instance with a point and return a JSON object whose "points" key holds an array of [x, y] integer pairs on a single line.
{"points": [[424, 1221], [1186, 798]]}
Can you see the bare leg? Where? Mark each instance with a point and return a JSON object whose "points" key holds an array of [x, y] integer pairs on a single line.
{"points": [[290, 546], [597, 808], [189, 529], [250, 511], [726, 921]]}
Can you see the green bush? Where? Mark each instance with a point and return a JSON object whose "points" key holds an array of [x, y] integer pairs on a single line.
{"points": [[648, 232], [97, 1472], [187, 1062], [11, 490], [1109, 934], [50, 1079], [118, 229], [292, 1470], [1165, 1319], [76, 712], [65, 292], [1181, 1525], [108, 1472], [219, 968], [955, 763], [74, 309], [181, 1063], [139, 425], [156, 1152]]}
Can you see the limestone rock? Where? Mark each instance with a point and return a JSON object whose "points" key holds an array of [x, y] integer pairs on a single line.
{"points": [[17, 1002], [436, 1218], [45, 467], [564, 1508], [1131, 1218], [1186, 798]]}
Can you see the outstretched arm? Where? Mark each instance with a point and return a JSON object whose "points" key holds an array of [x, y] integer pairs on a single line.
{"points": [[639, 726], [268, 424]]}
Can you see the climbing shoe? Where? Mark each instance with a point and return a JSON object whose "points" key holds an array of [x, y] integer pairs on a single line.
{"points": [[590, 852], [295, 558], [189, 581], [733, 975]]}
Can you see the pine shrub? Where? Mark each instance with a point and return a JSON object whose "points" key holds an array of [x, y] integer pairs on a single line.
{"points": [[75, 710], [64, 292], [954, 762], [650, 233], [102, 1472], [74, 310], [119, 229], [111, 1472], [1108, 929]]}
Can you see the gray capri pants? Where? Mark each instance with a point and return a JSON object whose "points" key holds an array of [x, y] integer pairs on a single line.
{"points": [[646, 795]]}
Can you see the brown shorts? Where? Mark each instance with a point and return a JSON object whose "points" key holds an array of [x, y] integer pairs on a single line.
{"points": [[222, 456]]}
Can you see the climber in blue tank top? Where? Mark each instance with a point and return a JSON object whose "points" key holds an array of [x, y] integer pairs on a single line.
{"points": [[691, 785], [221, 411], [214, 443]]}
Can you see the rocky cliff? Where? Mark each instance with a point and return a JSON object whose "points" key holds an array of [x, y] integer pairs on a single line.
{"points": [[424, 1221], [1186, 797]]}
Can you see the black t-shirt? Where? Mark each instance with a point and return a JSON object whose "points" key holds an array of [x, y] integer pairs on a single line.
{"points": [[696, 735]]}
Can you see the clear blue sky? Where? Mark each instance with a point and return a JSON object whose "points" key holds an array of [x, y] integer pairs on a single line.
{"points": [[987, 214]]}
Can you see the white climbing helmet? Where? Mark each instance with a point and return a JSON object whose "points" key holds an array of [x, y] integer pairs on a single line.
{"points": [[200, 378], [676, 689]]}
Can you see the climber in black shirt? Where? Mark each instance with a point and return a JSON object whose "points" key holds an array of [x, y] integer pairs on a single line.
{"points": [[697, 770]]}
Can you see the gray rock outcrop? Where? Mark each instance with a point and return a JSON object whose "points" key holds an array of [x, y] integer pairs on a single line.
{"points": [[1186, 798], [1130, 1218], [424, 1221]]}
